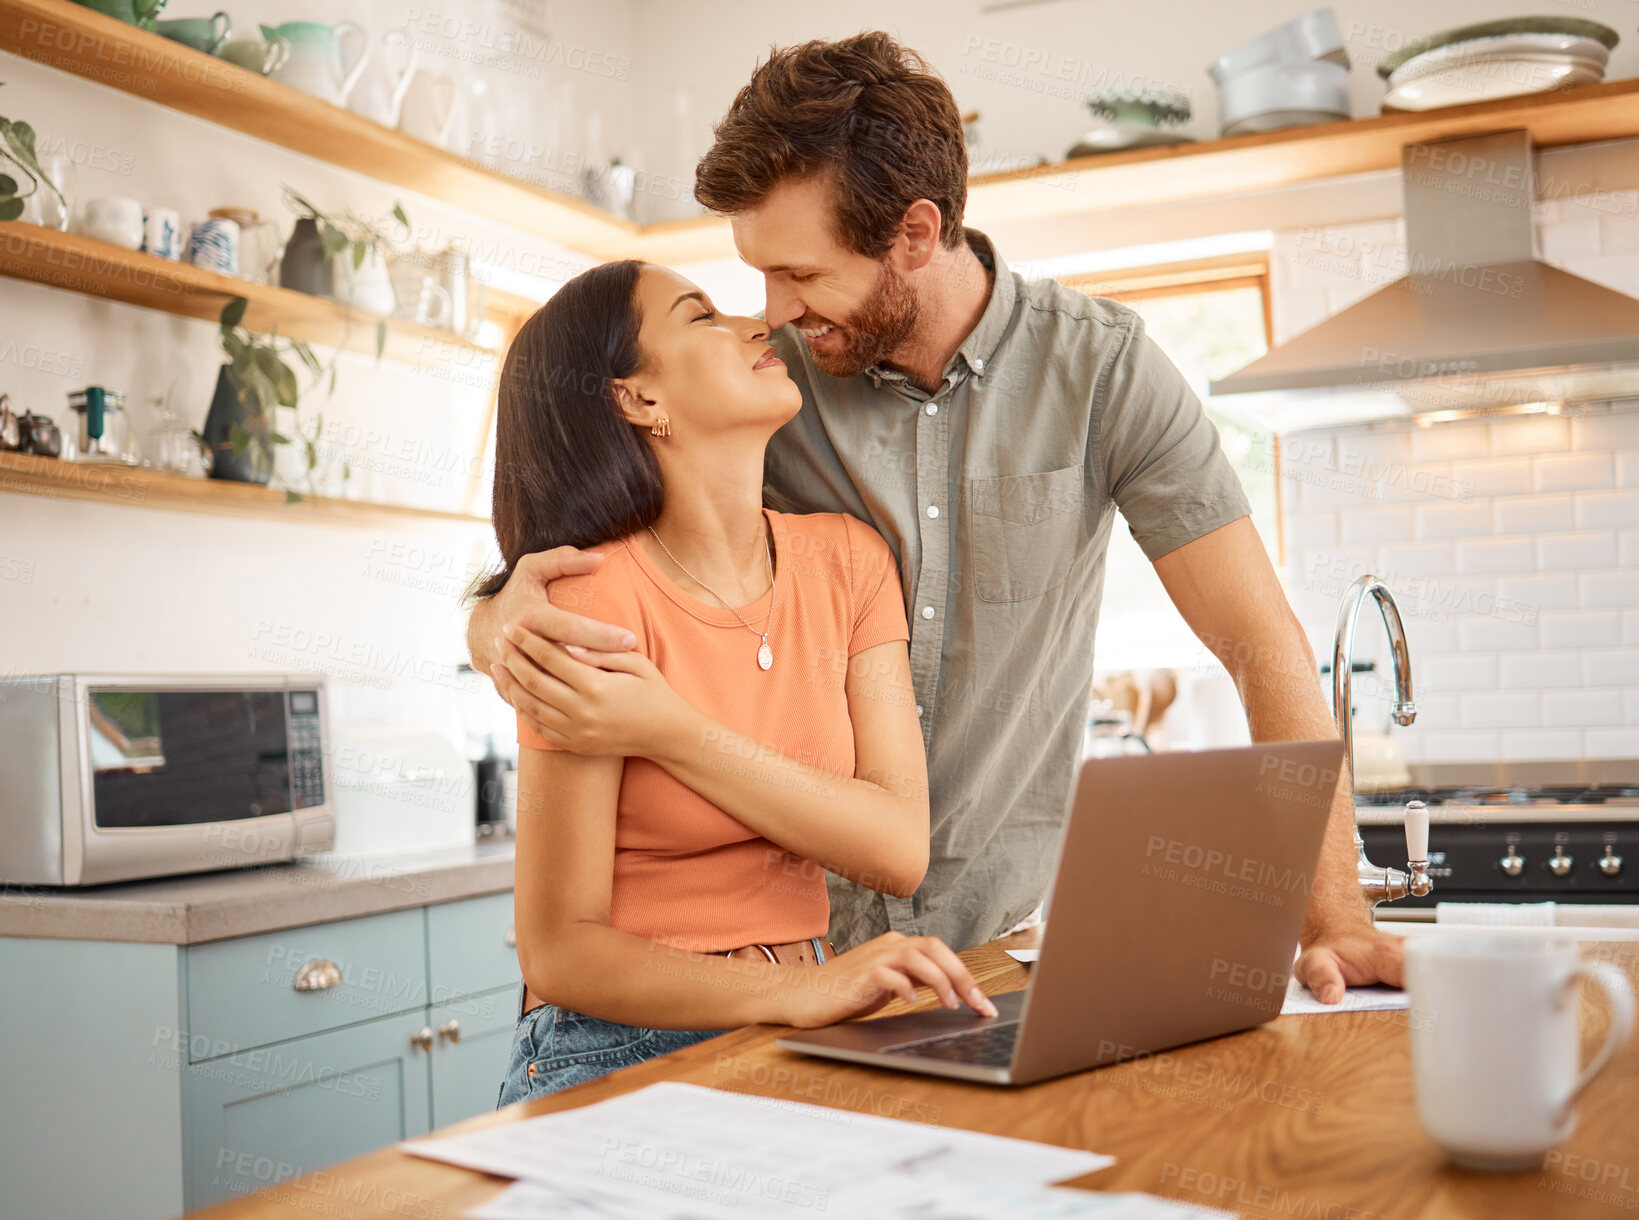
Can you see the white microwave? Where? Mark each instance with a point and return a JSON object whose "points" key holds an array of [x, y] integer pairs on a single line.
{"points": [[110, 778]]}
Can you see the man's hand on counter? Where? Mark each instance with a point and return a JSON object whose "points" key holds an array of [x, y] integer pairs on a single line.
{"points": [[1350, 958]]}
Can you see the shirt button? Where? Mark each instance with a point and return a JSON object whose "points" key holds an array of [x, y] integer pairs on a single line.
{"points": [[978, 365], [933, 510], [927, 611], [932, 408], [918, 709]]}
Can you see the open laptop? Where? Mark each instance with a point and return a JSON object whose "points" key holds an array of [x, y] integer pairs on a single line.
{"points": [[1180, 893]]}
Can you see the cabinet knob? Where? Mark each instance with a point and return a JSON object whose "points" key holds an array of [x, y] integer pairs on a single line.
{"points": [[451, 1030], [423, 1038], [320, 974]]}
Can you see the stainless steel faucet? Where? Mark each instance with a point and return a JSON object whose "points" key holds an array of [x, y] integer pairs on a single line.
{"points": [[1379, 884]]}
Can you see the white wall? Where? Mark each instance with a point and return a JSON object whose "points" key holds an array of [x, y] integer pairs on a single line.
{"points": [[121, 588]]}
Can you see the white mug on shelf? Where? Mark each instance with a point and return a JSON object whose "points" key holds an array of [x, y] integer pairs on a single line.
{"points": [[428, 105], [115, 219], [162, 233], [1494, 1042]]}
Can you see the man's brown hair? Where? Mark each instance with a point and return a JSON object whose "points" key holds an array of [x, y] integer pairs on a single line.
{"points": [[866, 113]]}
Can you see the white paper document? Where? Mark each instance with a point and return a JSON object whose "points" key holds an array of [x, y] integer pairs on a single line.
{"points": [[1024, 955], [685, 1152], [530, 1200], [1301, 1001]]}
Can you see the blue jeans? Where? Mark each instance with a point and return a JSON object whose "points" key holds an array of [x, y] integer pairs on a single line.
{"points": [[554, 1047]]}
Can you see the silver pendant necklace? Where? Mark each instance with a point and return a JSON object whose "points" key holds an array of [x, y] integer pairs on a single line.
{"points": [[765, 654]]}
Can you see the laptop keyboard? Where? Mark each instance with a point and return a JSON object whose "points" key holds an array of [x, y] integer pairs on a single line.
{"points": [[987, 1046]]}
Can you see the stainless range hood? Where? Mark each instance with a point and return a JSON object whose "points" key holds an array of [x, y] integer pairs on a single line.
{"points": [[1477, 322]]}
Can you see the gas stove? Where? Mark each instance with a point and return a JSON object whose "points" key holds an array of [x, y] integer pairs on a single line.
{"points": [[1520, 832]]}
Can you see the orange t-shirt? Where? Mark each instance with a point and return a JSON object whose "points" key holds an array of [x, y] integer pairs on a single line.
{"points": [[686, 872]]}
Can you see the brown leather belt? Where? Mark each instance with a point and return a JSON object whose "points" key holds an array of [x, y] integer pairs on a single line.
{"points": [[811, 952]]}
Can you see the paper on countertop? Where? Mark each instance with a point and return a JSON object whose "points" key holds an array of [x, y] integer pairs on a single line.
{"points": [[535, 1200], [1301, 1001], [1496, 914], [708, 1152], [1024, 955]]}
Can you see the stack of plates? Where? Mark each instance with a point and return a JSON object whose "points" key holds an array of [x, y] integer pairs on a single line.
{"points": [[1295, 74], [1497, 59]]}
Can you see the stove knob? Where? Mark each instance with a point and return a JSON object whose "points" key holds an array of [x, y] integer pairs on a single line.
{"points": [[1512, 863], [1610, 863], [1561, 863]]}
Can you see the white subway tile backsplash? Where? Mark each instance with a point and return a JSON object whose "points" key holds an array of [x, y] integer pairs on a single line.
{"points": [[1481, 556], [1607, 510], [1615, 589], [1581, 709], [1627, 548], [1630, 706], [1490, 710], [1316, 529], [1630, 630], [1451, 442], [1627, 469], [1537, 670], [1571, 472], [1540, 592], [1366, 525], [1461, 673], [1619, 667], [1455, 520], [1529, 435], [1612, 743], [1581, 629], [1416, 559], [1606, 430], [1533, 514], [1577, 552], [1619, 272], [1511, 476], [1445, 744], [1541, 745], [1477, 634]]}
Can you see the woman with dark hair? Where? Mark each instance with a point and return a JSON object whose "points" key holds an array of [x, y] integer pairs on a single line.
{"points": [[676, 823]]}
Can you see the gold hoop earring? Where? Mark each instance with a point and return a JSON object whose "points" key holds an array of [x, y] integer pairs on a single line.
{"points": [[661, 427]]}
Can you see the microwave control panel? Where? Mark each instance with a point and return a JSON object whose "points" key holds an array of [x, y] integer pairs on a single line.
{"points": [[306, 750]]}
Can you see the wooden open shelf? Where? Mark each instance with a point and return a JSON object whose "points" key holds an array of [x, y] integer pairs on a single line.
{"points": [[96, 268], [99, 48], [132, 487], [78, 40]]}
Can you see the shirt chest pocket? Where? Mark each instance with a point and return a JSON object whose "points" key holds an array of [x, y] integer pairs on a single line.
{"points": [[1024, 532]]}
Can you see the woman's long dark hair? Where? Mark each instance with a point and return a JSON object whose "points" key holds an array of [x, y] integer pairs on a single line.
{"points": [[569, 469]]}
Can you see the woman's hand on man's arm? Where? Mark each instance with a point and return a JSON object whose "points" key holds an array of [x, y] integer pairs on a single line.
{"points": [[522, 603]]}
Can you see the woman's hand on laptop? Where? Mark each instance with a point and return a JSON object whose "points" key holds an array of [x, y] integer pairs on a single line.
{"points": [[862, 980], [592, 702]]}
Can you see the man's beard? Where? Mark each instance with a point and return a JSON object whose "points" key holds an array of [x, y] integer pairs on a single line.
{"points": [[879, 327]]}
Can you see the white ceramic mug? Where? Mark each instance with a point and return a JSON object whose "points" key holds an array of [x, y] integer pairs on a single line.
{"points": [[116, 219], [1494, 1052], [162, 233]]}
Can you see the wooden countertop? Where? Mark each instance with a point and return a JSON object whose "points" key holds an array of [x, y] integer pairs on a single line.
{"points": [[1310, 1117], [245, 901]]}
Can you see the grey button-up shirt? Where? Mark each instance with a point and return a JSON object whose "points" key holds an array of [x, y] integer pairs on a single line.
{"points": [[997, 493]]}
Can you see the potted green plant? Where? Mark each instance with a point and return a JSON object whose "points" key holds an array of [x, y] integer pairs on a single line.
{"points": [[17, 148], [240, 429], [344, 256]]}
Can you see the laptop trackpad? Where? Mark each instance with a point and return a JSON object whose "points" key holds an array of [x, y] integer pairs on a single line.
{"points": [[875, 1034]]}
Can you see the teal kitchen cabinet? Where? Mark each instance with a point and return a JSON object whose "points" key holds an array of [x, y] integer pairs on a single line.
{"points": [[189, 1074]]}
